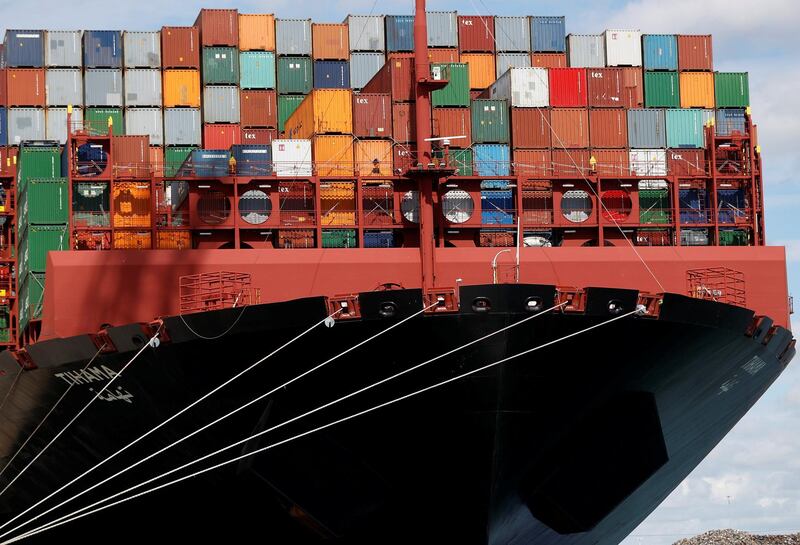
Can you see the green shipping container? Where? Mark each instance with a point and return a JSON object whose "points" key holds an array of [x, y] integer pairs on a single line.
{"points": [[37, 162], [43, 202], [733, 237], [490, 121], [257, 70], [732, 89], [662, 90], [685, 128], [295, 75], [31, 299], [339, 238], [174, 157], [654, 206], [456, 92], [97, 120], [33, 247], [287, 104], [220, 66], [461, 159]]}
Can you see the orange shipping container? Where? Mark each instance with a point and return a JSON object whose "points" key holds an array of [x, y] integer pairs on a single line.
{"points": [[608, 128], [333, 155], [481, 69], [337, 203], [570, 127], [632, 87], [181, 88], [323, 111], [549, 60], [256, 32], [157, 161], [453, 122], [697, 89], [131, 204], [373, 157], [612, 162], [131, 156], [25, 87], [174, 240], [571, 163], [132, 240], [533, 162], [695, 53], [404, 122], [330, 41], [441, 55]]}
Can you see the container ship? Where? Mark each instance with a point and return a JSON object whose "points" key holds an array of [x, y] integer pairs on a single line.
{"points": [[408, 278]]}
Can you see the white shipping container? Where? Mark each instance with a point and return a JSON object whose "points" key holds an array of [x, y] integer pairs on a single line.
{"points": [[504, 61], [63, 48], [293, 36], [146, 121], [363, 66], [586, 51], [648, 162], [221, 104], [143, 87], [523, 88], [366, 32], [183, 127], [102, 87], [442, 28], [512, 34], [56, 123], [64, 86], [142, 49], [25, 124], [623, 47], [291, 158]]}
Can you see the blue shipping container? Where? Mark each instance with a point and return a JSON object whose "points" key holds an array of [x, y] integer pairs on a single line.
{"points": [[497, 207], [399, 33], [491, 159], [379, 239], [693, 205], [253, 160], [102, 49], [685, 128], [3, 127], [730, 121], [495, 184], [731, 204], [331, 75], [24, 49], [208, 163], [548, 34], [660, 51]]}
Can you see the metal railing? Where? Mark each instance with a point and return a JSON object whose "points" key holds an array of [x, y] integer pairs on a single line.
{"points": [[216, 291]]}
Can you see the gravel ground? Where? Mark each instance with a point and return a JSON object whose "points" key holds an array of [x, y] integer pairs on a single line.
{"points": [[735, 537]]}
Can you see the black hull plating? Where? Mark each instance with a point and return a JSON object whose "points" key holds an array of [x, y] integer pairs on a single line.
{"points": [[576, 443]]}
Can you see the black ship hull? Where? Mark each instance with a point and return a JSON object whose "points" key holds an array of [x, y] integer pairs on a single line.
{"points": [[575, 443]]}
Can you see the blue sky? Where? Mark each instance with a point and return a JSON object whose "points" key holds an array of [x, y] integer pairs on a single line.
{"points": [[752, 480]]}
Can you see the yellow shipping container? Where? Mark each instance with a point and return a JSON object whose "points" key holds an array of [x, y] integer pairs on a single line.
{"points": [[256, 32], [337, 203], [181, 88], [132, 240], [333, 154], [481, 69], [373, 157], [697, 89], [324, 111]]}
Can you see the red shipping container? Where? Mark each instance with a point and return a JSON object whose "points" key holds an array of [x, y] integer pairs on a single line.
{"points": [[8, 161], [606, 89], [403, 157], [396, 78], [608, 128], [475, 94], [218, 27], [530, 127], [440, 55], [180, 47], [259, 109], [404, 122], [453, 122], [549, 60], [686, 162], [534, 163], [157, 161], [633, 87], [221, 135], [695, 53], [612, 162], [26, 87], [567, 87], [571, 163], [570, 127], [653, 237], [476, 33], [130, 156], [262, 137], [372, 115]]}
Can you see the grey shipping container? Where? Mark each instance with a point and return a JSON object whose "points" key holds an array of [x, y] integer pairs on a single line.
{"points": [[102, 87], [63, 48], [25, 124], [366, 32], [293, 36], [146, 122], [56, 123], [442, 28], [64, 86], [363, 66], [512, 34], [221, 104], [586, 50], [143, 87], [647, 128], [183, 127], [504, 61], [142, 49]]}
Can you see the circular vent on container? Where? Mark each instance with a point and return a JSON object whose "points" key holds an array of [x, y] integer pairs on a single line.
{"points": [[410, 206], [616, 205], [214, 208], [255, 207], [576, 206], [457, 206]]}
